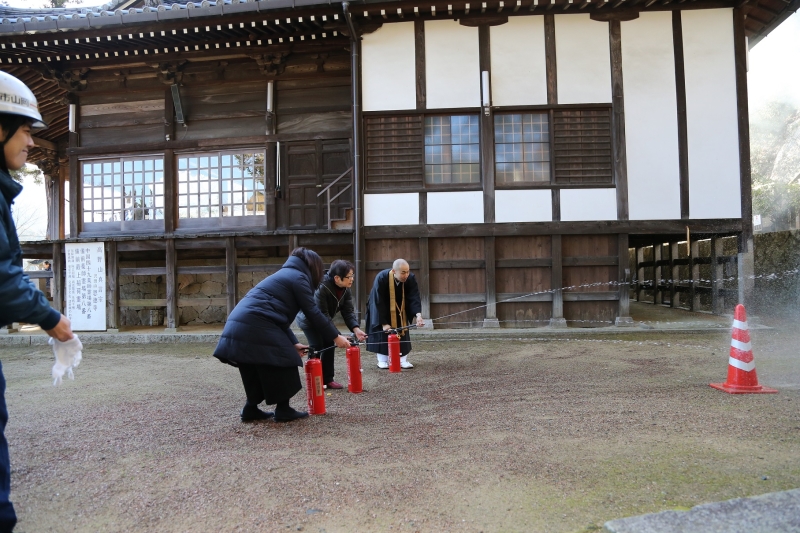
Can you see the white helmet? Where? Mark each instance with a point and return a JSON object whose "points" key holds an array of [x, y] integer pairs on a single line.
{"points": [[17, 99]]}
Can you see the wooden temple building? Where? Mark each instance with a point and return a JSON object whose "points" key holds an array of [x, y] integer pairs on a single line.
{"points": [[513, 151]]}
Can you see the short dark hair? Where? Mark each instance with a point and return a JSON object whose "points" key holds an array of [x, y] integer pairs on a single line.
{"points": [[341, 268], [312, 259], [10, 124]]}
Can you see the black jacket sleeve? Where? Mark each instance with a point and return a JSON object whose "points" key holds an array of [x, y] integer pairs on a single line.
{"points": [[413, 302], [348, 310]]}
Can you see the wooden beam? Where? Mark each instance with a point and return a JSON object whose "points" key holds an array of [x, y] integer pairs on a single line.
{"points": [[42, 143], [550, 58], [639, 273], [599, 296], [423, 207], [694, 269], [458, 298], [170, 192], [58, 278], [491, 278], [658, 297], [675, 273], [556, 280], [172, 286], [618, 121], [486, 130], [717, 277], [514, 297], [680, 94], [449, 264], [539, 262], [75, 202], [424, 277], [419, 65], [745, 171], [624, 277], [112, 282], [591, 260], [231, 276]]}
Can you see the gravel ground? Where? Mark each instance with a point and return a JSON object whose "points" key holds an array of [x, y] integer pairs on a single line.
{"points": [[502, 435]]}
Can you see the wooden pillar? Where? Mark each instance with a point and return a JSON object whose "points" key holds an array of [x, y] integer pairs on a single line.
{"points": [[231, 274], [639, 273], [75, 200], [674, 274], [658, 295], [624, 276], [172, 287], [490, 321], [424, 280], [557, 319], [62, 179], [271, 182], [680, 97], [58, 278], [112, 282], [694, 269], [294, 242], [717, 274], [620, 163], [486, 131], [170, 192]]}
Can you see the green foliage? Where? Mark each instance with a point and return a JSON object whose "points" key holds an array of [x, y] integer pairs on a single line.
{"points": [[25, 173]]}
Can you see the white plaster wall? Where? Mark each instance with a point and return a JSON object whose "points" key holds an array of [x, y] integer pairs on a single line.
{"points": [[583, 60], [388, 76], [711, 120], [452, 67], [391, 209], [461, 207], [523, 205], [651, 117], [519, 75], [588, 204]]}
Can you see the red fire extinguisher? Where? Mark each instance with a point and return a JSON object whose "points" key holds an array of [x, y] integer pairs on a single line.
{"points": [[354, 368], [314, 388], [394, 353]]}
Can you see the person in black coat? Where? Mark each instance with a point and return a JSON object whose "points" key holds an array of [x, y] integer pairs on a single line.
{"points": [[383, 314], [332, 296], [257, 338]]}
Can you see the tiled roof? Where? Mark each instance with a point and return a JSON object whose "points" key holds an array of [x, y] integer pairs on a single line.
{"points": [[14, 20]]}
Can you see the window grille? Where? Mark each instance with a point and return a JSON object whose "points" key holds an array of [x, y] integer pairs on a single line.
{"points": [[452, 149], [221, 184], [522, 148], [124, 189]]}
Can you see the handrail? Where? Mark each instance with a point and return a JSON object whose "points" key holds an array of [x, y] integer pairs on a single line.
{"points": [[327, 192], [331, 184]]}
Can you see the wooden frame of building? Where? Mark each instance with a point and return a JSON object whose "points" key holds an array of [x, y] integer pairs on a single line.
{"points": [[512, 152]]}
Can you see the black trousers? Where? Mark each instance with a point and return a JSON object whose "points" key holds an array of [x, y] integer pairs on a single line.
{"points": [[315, 341], [269, 384], [8, 518]]}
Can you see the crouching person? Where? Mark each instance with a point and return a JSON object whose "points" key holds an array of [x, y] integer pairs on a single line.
{"points": [[332, 296], [257, 338]]}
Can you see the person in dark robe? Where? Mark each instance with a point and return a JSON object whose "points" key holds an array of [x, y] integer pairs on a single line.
{"points": [[257, 338], [333, 296], [386, 313]]}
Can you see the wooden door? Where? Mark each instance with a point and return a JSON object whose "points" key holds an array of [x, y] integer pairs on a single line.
{"points": [[306, 168]]}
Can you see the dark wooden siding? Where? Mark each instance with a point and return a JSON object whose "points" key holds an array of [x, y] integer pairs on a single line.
{"points": [[522, 268], [314, 105], [582, 146], [464, 286], [122, 119], [394, 152], [588, 260]]}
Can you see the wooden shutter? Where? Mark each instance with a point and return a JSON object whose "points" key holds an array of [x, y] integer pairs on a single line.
{"points": [[394, 152], [582, 146]]}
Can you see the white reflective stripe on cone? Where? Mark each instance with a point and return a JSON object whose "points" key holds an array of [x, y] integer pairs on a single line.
{"points": [[739, 345], [741, 365], [740, 325]]}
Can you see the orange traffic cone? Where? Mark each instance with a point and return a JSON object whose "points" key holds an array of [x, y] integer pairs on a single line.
{"points": [[742, 377]]}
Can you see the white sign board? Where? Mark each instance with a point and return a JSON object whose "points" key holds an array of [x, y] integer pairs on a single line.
{"points": [[86, 286]]}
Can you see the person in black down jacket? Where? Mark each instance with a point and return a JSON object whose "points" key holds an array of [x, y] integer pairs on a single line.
{"points": [[333, 295], [20, 300], [257, 338]]}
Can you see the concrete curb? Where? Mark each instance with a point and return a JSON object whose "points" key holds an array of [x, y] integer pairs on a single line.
{"points": [[776, 512], [37, 339]]}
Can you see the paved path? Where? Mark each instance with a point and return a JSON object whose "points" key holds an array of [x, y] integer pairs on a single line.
{"points": [[776, 512]]}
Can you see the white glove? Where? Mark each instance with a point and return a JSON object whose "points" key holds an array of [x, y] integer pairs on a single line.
{"points": [[68, 356]]}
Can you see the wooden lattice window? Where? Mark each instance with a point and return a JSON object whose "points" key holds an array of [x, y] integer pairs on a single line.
{"points": [[521, 148], [582, 146], [123, 189], [394, 152]]}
